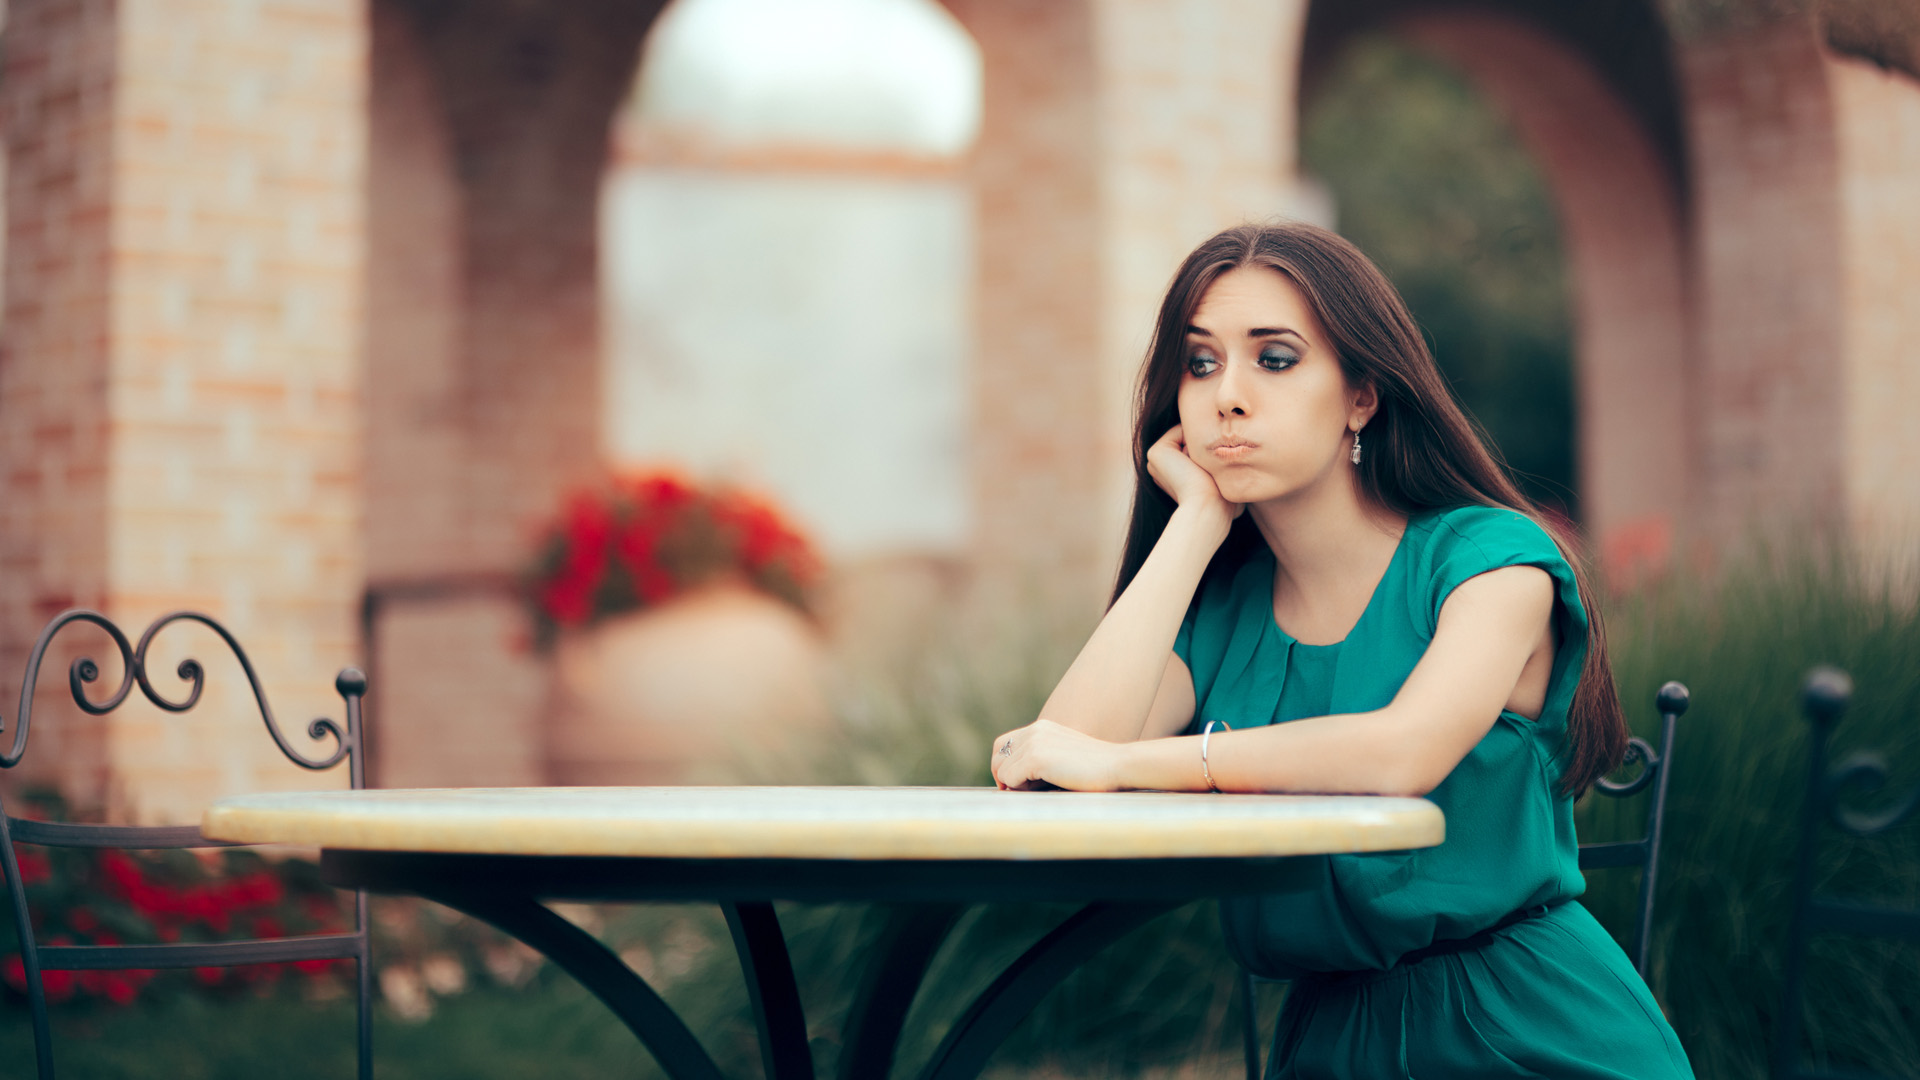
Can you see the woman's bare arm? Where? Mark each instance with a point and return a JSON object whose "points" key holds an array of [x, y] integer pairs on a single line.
{"points": [[1489, 628], [1126, 682]]}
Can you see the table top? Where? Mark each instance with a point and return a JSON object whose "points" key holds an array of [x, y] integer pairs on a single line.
{"points": [[858, 823]]}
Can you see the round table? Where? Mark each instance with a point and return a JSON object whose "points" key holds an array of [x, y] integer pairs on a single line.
{"points": [[498, 853]]}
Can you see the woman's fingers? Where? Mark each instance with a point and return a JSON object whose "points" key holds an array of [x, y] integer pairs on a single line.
{"points": [[1001, 753], [1046, 756], [1012, 755], [1180, 476]]}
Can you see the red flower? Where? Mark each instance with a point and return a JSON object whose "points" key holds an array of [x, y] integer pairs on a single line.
{"points": [[121, 988], [260, 887], [586, 526], [640, 539], [34, 869]]}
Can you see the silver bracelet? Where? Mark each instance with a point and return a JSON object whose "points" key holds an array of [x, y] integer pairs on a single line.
{"points": [[1204, 732]]}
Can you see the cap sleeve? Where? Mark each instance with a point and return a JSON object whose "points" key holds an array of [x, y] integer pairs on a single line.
{"points": [[1471, 540]]}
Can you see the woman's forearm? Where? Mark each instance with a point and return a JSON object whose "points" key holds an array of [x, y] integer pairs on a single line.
{"points": [[1370, 753], [1110, 687]]}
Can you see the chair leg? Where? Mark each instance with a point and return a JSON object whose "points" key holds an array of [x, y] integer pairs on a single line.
{"points": [[364, 1020], [1250, 1025], [364, 1023]]}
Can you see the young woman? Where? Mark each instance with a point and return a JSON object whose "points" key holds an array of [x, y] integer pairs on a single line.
{"points": [[1325, 558]]}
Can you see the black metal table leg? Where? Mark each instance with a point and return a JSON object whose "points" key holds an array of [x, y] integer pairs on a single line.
{"points": [[771, 987], [604, 974], [1000, 1007], [892, 979]]}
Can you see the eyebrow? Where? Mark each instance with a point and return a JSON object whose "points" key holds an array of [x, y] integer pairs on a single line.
{"points": [[1256, 332]]}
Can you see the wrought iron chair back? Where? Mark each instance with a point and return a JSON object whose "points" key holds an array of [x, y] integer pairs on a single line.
{"points": [[1672, 700], [1824, 697], [36, 958]]}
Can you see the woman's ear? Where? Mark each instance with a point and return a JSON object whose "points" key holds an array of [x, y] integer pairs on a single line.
{"points": [[1365, 402]]}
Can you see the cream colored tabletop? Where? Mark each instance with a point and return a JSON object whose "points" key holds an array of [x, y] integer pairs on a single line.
{"points": [[827, 822]]}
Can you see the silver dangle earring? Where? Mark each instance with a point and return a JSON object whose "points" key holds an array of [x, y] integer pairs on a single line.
{"points": [[1355, 456]]}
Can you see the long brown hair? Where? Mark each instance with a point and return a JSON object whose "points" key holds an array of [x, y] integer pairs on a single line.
{"points": [[1422, 453]]}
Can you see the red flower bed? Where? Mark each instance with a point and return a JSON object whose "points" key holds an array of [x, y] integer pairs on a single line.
{"points": [[637, 540], [78, 896]]}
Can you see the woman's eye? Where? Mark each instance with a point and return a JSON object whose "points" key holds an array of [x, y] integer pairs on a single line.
{"points": [[1201, 365], [1278, 359]]}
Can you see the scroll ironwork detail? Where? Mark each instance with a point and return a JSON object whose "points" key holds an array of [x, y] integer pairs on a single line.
{"points": [[1638, 751], [1866, 772], [85, 671]]}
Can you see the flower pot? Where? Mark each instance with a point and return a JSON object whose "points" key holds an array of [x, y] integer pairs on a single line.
{"points": [[689, 691]]}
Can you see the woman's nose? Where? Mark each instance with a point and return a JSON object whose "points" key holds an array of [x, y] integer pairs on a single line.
{"points": [[1231, 398]]}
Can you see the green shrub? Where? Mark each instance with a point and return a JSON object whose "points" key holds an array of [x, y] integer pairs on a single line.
{"points": [[1742, 640]]}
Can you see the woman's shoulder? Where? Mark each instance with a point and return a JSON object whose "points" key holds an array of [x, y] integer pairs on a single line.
{"points": [[1494, 532], [1448, 546]]}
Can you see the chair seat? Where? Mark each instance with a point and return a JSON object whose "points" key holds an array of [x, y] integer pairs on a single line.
{"points": [[130, 837]]}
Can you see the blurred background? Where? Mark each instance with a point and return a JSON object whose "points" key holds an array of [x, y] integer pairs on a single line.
{"points": [[317, 312]]}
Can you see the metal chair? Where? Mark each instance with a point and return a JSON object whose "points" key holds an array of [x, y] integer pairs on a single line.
{"points": [[1824, 697], [36, 958], [1672, 700]]}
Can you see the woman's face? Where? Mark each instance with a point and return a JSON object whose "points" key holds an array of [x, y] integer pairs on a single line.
{"points": [[1263, 403]]}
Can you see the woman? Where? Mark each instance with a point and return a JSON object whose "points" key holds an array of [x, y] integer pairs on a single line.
{"points": [[1324, 558]]}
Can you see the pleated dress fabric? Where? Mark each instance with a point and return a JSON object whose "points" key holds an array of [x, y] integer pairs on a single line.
{"points": [[1550, 996]]}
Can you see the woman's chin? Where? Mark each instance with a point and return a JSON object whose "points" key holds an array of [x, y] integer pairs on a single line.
{"points": [[1241, 491]]}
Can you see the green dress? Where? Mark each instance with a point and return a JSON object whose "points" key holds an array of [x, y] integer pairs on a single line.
{"points": [[1548, 996]]}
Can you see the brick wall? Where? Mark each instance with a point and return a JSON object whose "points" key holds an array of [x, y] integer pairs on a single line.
{"points": [[186, 345], [1767, 275], [1114, 140], [59, 122], [245, 368]]}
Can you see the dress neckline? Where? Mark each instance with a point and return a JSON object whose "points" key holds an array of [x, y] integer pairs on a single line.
{"points": [[1373, 598]]}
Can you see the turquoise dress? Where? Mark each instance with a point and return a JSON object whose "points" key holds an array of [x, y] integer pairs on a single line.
{"points": [[1547, 996]]}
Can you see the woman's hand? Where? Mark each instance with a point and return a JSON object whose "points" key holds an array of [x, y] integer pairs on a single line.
{"points": [[1044, 753], [1178, 475]]}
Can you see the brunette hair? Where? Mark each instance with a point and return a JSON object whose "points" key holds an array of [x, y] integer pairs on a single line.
{"points": [[1422, 453]]}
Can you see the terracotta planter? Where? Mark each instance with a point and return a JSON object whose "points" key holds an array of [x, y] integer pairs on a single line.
{"points": [[685, 692]]}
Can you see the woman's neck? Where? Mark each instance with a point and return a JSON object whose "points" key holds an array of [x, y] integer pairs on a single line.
{"points": [[1332, 547]]}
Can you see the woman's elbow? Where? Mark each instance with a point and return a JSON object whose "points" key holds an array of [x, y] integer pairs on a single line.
{"points": [[1415, 771]]}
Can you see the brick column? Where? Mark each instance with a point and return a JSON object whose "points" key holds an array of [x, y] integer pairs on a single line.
{"points": [[1115, 138], [182, 387], [1877, 129], [1769, 283]]}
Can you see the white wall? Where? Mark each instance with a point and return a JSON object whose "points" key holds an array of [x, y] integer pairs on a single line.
{"points": [[805, 335]]}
